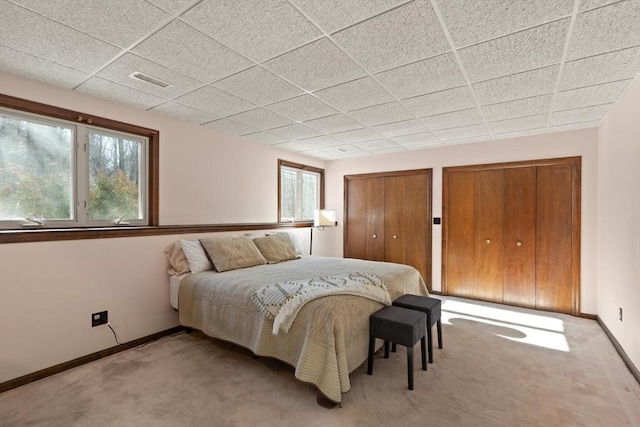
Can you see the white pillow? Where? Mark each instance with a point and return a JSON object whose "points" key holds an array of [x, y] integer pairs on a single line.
{"points": [[196, 256], [296, 242]]}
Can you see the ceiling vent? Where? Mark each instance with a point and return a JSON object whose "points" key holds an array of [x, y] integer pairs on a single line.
{"points": [[145, 78]]}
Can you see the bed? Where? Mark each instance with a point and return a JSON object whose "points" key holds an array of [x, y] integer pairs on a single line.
{"points": [[328, 338]]}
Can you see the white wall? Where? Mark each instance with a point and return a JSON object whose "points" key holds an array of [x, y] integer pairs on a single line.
{"points": [[565, 144], [49, 290], [619, 222]]}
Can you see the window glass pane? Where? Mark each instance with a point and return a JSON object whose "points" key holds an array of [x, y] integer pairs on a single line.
{"points": [[114, 177], [36, 170], [309, 195], [288, 196]]}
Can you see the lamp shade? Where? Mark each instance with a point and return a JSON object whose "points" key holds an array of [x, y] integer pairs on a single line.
{"points": [[324, 218]]}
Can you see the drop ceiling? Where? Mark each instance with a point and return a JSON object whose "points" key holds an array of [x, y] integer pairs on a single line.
{"points": [[334, 79]]}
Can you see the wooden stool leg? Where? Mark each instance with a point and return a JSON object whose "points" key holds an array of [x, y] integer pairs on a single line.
{"points": [[372, 344], [393, 347], [386, 349], [410, 366], [439, 334], [423, 344]]}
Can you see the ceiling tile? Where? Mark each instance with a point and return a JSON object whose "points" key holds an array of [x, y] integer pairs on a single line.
{"points": [[295, 131], [229, 126], [332, 15], [358, 135], [320, 154], [264, 138], [522, 123], [454, 119], [576, 126], [355, 154], [381, 114], [461, 141], [623, 64], [389, 150], [343, 150], [315, 66], [377, 144], [121, 25], [184, 49], [441, 102], [526, 50], [292, 146], [355, 94], [579, 115], [517, 108], [406, 34], [592, 4], [521, 85], [333, 124], [462, 132], [36, 35], [424, 138], [321, 141], [119, 71], [172, 6], [605, 29], [262, 119], [430, 75], [472, 21], [213, 101], [31, 67], [182, 112], [424, 146], [117, 93], [303, 108], [258, 85], [401, 128], [589, 96], [257, 29]]}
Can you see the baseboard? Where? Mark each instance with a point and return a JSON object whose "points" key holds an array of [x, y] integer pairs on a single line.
{"points": [[634, 370], [47, 372], [588, 316]]}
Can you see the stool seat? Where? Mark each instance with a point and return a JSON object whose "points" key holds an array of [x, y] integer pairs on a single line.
{"points": [[432, 308], [399, 326]]}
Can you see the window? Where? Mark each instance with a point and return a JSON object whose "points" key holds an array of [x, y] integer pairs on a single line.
{"points": [[300, 191], [58, 173]]}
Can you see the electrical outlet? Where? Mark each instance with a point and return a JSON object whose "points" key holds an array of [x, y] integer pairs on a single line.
{"points": [[99, 318], [620, 313]]}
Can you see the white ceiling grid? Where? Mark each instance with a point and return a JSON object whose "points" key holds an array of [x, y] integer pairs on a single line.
{"points": [[338, 78]]}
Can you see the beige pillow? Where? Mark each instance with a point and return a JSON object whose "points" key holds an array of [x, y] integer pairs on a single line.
{"points": [[178, 262], [230, 253], [276, 248]]}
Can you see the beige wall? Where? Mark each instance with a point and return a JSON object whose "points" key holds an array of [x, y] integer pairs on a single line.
{"points": [[574, 143], [619, 221], [49, 290]]}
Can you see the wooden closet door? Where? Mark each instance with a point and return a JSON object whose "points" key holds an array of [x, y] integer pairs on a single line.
{"points": [[488, 235], [554, 224], [365, 219], [407, 220], [519, 279], [459, 210]]}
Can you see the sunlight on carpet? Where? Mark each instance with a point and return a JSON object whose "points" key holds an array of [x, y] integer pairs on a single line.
{"points": [[537, 329]]}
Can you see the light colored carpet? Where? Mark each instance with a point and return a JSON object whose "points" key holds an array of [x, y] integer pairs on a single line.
{"points": [[500, 366]]}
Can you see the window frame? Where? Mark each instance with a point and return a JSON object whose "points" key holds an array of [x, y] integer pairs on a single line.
{"points": [[51, 113], [302, 168]]}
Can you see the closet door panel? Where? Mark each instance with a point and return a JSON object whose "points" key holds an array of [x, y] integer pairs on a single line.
{"points": [[554, 238], [459, 238], [396, 214], [365, 209], [488, 235], [519, 279]]}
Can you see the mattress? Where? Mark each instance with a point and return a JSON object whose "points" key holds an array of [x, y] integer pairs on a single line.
{"points": [[174, 287]]}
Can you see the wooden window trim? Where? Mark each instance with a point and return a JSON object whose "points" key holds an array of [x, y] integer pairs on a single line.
{"points": [[302, 167]]}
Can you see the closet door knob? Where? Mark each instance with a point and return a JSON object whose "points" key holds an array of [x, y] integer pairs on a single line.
{"points": [[375, 235], [518, 243], [487, 241], [395, 237]]}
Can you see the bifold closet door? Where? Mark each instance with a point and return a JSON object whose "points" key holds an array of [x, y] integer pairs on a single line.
{"points": [[365, 210], [406, 221], [519, 279]]}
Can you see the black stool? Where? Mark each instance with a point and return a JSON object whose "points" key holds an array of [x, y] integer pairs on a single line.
{"points": [[430, 306], [399, 326]]}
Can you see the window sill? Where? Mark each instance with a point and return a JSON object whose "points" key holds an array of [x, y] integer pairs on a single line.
{"points": [[56, 234]]}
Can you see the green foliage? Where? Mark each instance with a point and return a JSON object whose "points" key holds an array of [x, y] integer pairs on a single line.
{"points": [[37, 196], [113, 195]]}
